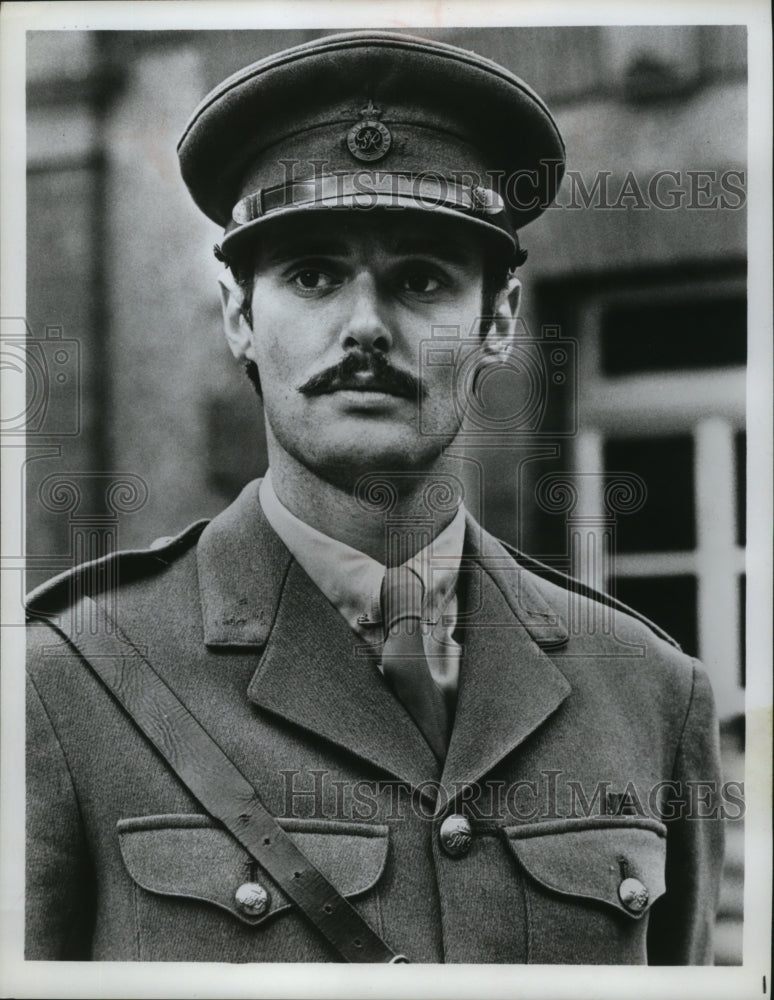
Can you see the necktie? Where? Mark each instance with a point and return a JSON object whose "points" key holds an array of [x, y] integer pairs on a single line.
{"points": [[403, 657]]}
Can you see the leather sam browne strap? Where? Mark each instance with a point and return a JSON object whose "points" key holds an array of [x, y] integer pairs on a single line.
{"points": [[217, 783]]}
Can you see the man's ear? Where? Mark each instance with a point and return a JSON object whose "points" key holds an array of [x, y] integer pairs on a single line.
{"points": [[502, 329], [239, 334]]}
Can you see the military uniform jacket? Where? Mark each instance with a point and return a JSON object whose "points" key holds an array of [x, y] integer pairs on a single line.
{"points": [[578, 734]]}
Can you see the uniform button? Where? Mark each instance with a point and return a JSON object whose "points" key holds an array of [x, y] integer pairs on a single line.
{"points": [[456, 836], [633, 894], [252, 899]]}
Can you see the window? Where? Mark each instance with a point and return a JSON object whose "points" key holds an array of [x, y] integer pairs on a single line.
{"points": [[662, 396]]}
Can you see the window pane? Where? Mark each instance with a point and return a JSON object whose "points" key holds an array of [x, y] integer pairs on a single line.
{"points": [[742, 584], [665, 522], [740, 461], [657, 336], [669, 601]]}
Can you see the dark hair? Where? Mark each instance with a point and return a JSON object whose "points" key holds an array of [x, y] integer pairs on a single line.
{"points": [[499, 268]]}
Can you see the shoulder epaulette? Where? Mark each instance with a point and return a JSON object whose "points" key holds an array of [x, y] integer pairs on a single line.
{"points": [[95, 575], [571, 583]]}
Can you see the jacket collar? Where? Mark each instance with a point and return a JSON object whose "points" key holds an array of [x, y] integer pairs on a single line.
{"points": [[509, 685], [314, 673], [242, 565]]}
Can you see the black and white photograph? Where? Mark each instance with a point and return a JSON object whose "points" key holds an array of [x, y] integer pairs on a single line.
{"points": [[386, 450]]}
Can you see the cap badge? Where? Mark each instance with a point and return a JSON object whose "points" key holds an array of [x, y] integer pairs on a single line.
{"points": [[369, 139], [486, 201]]}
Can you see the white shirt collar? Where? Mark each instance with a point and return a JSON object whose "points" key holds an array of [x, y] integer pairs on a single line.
{"points": [[352, 580]]}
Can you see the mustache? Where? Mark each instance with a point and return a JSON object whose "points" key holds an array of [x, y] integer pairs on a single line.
{"points": [[383, 377]]}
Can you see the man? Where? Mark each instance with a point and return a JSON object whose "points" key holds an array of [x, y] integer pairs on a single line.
{"points": [[342, 700]]}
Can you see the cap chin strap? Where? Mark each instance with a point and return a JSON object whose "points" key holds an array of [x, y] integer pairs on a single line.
{"points": [[373, 189]]}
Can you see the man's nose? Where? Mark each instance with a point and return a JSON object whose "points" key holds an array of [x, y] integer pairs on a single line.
{"points": [[366, 327]]}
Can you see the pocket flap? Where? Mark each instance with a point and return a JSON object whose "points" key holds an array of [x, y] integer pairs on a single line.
{"points": [[619, 861], [191, 857]]}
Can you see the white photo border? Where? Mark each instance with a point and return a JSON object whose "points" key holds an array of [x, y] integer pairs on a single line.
{"points": [[42, 979]]}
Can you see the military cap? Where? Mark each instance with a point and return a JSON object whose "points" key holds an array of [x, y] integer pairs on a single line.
{"points": [[372, 119]]}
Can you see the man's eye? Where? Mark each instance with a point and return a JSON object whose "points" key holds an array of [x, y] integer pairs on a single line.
{"points": [[312, 279], [422, 283]]}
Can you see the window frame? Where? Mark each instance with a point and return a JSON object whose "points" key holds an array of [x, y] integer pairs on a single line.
{"points": [[710, 406]]}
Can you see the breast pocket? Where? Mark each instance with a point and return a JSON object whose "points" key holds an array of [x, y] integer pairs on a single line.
{"points": [[199, 896], [589, 885]]}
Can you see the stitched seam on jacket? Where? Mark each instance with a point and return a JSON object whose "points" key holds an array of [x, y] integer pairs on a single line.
{"points": [[66, 764], [678, 748], [527, 913], [136, 908], [441, 901], [378, 908], [522, 880]]}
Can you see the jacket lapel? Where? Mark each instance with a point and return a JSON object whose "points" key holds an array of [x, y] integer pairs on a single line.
{"points": [[508, 685], [313, 670]]}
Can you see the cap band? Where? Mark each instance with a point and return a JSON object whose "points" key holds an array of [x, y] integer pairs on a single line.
{"points": [[369, 189]]}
